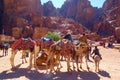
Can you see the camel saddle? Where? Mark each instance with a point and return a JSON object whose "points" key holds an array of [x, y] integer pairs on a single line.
{"points": [[23, 43]]}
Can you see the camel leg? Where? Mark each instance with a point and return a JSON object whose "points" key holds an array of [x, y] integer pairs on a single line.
{"points": [[48, 59], [52, 65], [98, 66], [23, 57], [35, 64], [3, 52], [22, 61], [73, 64], [77, 62], [36, 51], [68, 63], [12, 58], [87, 63], [7, 52], [73, 58], [30, 60], [25, 60], [59, 63], [95, 66], [80, 62]]}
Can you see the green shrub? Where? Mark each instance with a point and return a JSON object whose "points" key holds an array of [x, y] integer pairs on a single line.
{"points": [[54, 35]]}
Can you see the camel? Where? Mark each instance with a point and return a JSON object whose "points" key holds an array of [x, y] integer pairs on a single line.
{"points": [[46, 44], [57, 50], [42, 57], [4, 47], [96, 57], [97, 62], [53, 58], [27, 46], [81, 51], [69, 53]]}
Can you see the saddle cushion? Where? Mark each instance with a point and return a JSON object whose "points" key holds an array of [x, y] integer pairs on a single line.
{"points": [[16, 44], [23, 44]]}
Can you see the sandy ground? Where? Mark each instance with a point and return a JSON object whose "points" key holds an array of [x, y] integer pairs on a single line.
{"points": [[109, 69]]}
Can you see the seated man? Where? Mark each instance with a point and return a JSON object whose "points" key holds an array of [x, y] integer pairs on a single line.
{"points": [[96, 52], [27, 32], [83, 38], [68, 36]]}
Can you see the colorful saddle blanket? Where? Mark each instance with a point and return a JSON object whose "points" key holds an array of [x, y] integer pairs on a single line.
{"points": [[23, 43]]}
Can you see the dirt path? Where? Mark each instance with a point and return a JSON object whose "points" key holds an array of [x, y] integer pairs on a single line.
{"points": [[109, 66]]}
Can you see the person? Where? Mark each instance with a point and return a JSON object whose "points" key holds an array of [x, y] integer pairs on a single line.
{"points": [[27, 32], [68, 36], [96, 52], [89, 53], [110, 44], [83, 38]]}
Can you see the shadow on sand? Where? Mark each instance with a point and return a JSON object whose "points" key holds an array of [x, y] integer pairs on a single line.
{"points": [[35, 75], [104, 74], [1, 56]]}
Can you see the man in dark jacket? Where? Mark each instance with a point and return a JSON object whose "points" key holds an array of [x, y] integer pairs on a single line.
{"points": [[68, 36], [96, 52]]}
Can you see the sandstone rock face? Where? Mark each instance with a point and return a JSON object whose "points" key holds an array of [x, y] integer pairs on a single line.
{"points": [[16, 32], [110, 4], [39, 32], [1, 14], [61, 24], [49, 9], [19, 11], [19, 14], [109, 20], [44, 24], [79, 10], [117, 33]]}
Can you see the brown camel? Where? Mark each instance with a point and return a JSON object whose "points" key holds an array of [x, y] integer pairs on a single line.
{"points": [[59, 49], [53, 58], [27, 46], [82, 50]]}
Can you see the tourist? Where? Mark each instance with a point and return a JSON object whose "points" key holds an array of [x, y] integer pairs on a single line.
{"points": [[96, 52]]}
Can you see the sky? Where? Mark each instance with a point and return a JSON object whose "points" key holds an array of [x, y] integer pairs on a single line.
{"points": [[58, 3]]}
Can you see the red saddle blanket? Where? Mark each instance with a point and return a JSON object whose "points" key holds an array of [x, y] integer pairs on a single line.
{"points": [[23, 44]]}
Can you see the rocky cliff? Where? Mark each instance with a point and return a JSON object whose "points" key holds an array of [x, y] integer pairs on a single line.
{"points": [[109, 22], [81, 11], [49, 9], [59, 24], [104, 21], [1, 14], [16, 12]]}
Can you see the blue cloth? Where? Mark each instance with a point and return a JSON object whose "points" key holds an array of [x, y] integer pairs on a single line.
{"points": [[47, 39]]}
